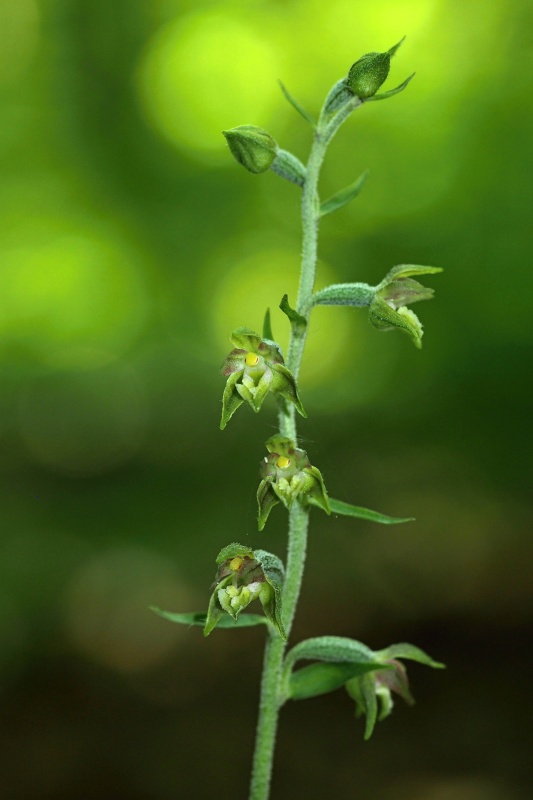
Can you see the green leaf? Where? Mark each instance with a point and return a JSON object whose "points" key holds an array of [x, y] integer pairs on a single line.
{"points": [[225, 621], [267, 327], [344, 196], [321, 678], [391, 92], [296, 320], [347, 510], [409, 651], [296, 105]]}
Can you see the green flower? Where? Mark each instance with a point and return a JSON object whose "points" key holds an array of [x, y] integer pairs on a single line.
{"points": [[388, 307], [254, 368], [372, 691], [245, 575], [286, 475]]}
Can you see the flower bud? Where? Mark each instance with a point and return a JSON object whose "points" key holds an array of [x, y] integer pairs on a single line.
{"points": [[253, 147], [368, 73]]}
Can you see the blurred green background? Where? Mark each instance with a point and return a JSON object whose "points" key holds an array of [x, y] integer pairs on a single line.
{"points": [[132, 244]]}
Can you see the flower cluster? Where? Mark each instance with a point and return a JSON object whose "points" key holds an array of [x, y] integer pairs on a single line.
{"points": [[254, 368], [287, 474]]}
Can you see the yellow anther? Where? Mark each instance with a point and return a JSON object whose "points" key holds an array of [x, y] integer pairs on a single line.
{"points": [[283, 462], [235, 563], [251, 359]]}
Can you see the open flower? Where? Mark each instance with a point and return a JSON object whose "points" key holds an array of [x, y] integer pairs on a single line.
{"points": [[245, 575], [388, 308], [287, 474], [372, 691], [254, 368]]}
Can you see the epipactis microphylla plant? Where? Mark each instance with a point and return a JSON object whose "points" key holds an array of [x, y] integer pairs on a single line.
{"points": [[256, 367]]}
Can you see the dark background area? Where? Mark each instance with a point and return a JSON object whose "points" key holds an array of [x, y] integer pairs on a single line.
{"points": [[131, 245]]}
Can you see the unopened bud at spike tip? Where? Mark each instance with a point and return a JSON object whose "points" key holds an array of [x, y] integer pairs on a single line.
{"points": [[368, 74]]}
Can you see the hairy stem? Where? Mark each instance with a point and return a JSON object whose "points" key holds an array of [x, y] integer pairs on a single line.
{"points": [[298, 516]]}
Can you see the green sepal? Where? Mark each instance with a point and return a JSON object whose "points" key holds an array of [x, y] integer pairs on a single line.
{"points": [[322, 678], [406, 291], [395, 47], [245, 339], [199, 619], [348, 510], [283, 383], [392, 92], [214, 611], [280, 444], [401, 271], [318, 494], [344, 196], [267, 326], [363, 690], [296, 105], [234, 550], [385, 318], [330, 648], [409, 651], [266, 500], [297, 321], [274, 573], [231, 399], [333, 650]]}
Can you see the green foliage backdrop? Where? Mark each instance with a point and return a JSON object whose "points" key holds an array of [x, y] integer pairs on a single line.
{"points": [[131, 246]]}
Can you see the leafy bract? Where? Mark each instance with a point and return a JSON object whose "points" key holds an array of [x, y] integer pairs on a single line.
{"points": [[348, 510]]}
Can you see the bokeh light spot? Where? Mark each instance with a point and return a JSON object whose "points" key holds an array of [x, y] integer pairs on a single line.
{"points": [[70, 287], [207, 72], [83, 422], [260, 280], [18, 37], [108, 615]]}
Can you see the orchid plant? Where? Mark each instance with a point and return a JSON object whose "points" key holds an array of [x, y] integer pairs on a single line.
{"points": [[256, 367]]}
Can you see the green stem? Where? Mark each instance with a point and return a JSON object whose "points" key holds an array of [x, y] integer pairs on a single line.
{"points": [[270, 703]]}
